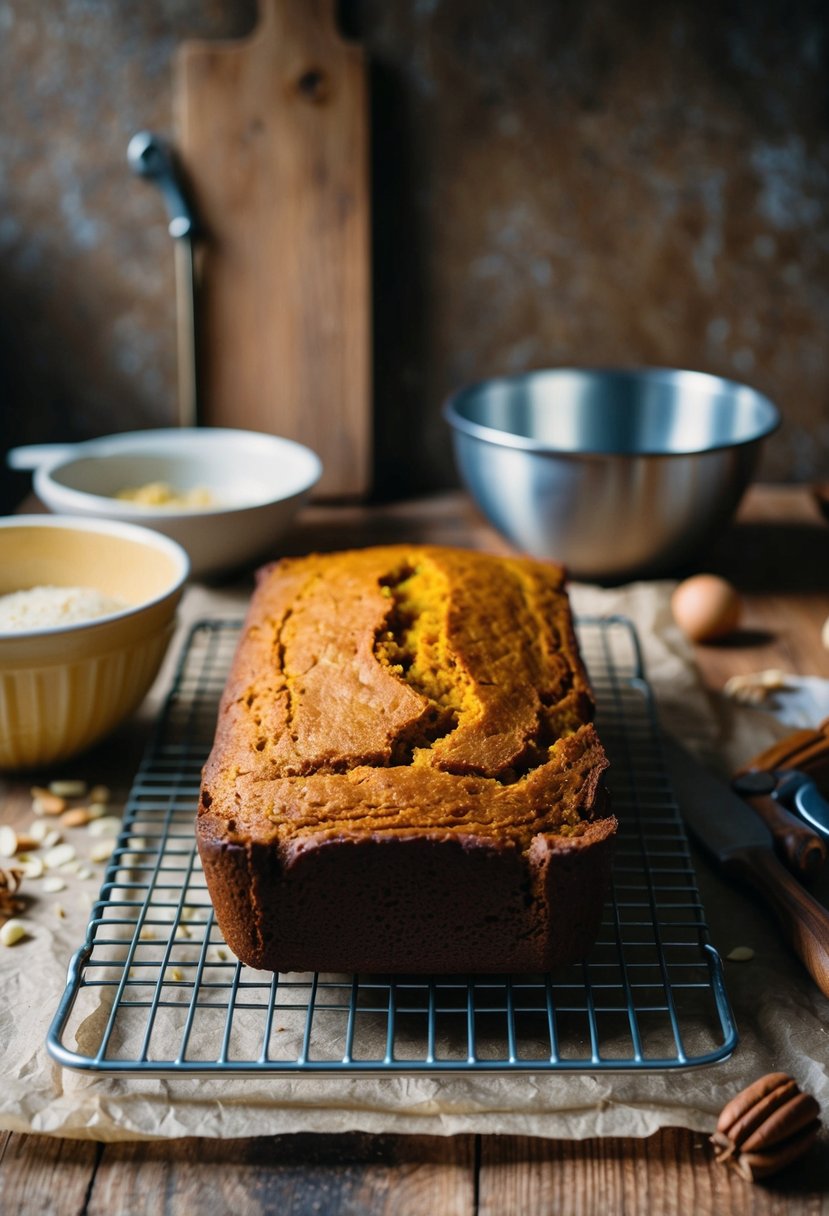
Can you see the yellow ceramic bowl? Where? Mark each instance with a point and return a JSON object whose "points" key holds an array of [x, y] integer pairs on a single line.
{"points": [[63, 688]]}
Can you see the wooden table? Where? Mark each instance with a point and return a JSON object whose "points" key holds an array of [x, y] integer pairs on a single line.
{"points": [[778, 554]]}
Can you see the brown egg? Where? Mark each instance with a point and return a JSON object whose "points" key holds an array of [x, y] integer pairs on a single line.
{"points": [[706, 607]]}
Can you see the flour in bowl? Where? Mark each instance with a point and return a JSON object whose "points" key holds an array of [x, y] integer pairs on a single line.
{"points": [[50, 607]]}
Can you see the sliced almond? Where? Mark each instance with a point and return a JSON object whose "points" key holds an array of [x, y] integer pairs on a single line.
{"points": [[78, 817], [46, 803], [39, 829], [52, 884], [67, 789], [102, 850], [43, 834], [752, 688], [13, 931], [740, 954], [60, 855], [108, 826], [8, 840], [30, 865], [97, 810], [100, 793]]}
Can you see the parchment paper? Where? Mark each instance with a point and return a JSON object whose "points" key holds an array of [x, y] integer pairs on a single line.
{"points": [[780, 1014]]}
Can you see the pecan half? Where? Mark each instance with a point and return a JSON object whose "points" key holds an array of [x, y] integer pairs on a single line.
{"points": [[10, 902], [766, 1126]]}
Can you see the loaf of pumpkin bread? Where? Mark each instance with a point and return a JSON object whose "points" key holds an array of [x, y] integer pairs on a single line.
{"points": [[404, 776]]}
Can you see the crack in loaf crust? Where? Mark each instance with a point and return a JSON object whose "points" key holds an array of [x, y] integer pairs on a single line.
{"points": [[404, 775]]}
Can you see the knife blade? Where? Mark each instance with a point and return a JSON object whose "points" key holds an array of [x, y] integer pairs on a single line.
{"points": [[742, 844]]}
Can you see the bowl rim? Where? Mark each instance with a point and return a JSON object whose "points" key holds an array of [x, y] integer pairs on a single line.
{"points": [[508, 439], [175, 440], [109, 527]]}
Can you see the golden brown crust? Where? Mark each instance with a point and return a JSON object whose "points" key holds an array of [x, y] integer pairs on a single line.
{"points": [[413, 720]]}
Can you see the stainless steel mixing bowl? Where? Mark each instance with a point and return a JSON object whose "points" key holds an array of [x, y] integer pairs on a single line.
{"points": [[617, 474]]}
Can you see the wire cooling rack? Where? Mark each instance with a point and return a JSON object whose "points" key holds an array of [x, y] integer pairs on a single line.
{"points": [[154, 989]]}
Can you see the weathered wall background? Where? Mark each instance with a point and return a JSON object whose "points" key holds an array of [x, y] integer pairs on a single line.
{"points": [[553, 183]]}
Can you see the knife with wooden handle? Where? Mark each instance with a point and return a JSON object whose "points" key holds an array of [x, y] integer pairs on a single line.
{"points": [[802, 850], [742, 844]]}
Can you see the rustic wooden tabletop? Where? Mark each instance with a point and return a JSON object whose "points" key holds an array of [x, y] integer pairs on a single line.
{"points": [[778, 554]]}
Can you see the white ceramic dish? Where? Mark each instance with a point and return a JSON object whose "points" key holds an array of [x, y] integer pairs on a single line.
{"points": [[257, 482], [64, 687]]}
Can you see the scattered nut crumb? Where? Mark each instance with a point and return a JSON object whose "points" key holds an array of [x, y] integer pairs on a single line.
{"points": [[12, 932], [41, 849], [8, 840], [175, 974], [67, 789], [753, 688], [10, 901], [30, 866], [740, 954], [59, 855], [12, 842], [46, 803], [43, 833], [109, 825], [78, 817], [146, 933]]}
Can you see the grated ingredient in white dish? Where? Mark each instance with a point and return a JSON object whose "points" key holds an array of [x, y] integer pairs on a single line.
{"points": [[47, 607], [161, 494]]}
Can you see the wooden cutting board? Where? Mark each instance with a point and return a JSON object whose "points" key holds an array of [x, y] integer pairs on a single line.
{"points": [[272, 134]]}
